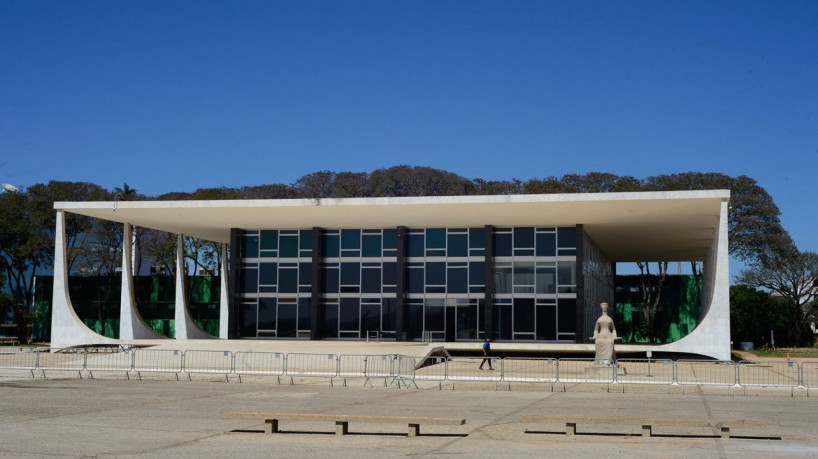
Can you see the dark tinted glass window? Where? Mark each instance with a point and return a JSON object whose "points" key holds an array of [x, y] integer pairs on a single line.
{"points": [[304, 313], [477, 273], [269, 240], [267, 313], [268, 273], [415, 246], [331, 244], [331, 280], [247, 319], [306, 240], [390, 273], [502, 245], [566, 315], [350, 239], [436, 238], [249, 280], [305, 273], [370, 318], [415, 280], [523, 238], [350, 273], [435, 315], [331, 321], [371, 245], [249, 247], [477, 238], [414, 315], [436, 273], [388, 313], [371, 280], [458, 245], [287, 314], [546, 244], [289, 247], [457, 282], [287, 280], [567, 237], [524, 315], [349, 314], [390, 239]]}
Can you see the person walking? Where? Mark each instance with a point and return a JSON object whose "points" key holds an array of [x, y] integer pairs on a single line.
{"points": [[486, 354]]}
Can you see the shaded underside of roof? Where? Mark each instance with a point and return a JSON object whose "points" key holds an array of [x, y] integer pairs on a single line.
{"points": [[646, 226]]}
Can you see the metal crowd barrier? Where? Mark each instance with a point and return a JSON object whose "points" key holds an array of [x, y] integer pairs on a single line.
{"points": [[586, 371], [47, 359], [208, 362], [312, 366], [469, 369], [705, 373], [158, 361], [367, 366], [521, 369], [406, 370], [809, 375], [19, 360], [110, 361], [645, 371], [259, 364], [768, 374]]}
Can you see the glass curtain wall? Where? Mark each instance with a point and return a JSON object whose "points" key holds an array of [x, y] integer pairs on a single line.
{"points": [[534, 276]]}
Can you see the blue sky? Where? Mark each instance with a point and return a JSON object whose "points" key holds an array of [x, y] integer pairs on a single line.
{"points": [[174, 96]]}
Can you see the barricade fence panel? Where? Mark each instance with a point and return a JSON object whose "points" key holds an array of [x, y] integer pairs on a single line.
{"points": [[585, 371], [644, 371], [61, 359], [517, 369], [212, 362], [809, 374], [768, 374], [15, 359], [312, 365], [109, 361], [380, 366], [157, 361], [705, 372], [468, 369], [259, 363]]}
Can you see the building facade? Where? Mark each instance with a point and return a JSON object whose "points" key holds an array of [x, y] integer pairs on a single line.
{"points": [[528, 268]]}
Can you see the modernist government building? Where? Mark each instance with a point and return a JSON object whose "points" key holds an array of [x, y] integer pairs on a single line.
{"points": [[522, 268]]}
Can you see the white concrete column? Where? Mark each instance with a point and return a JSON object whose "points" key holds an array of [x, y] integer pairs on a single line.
{"points": [[224, 310], [66, 327], [185, 327], [131, 325], [711, 337]]}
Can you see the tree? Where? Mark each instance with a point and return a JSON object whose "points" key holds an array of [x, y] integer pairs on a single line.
{"points": [[793, 276], [753, 314], [651, 287]]}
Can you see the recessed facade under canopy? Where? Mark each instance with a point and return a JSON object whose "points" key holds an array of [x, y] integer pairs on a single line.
{"points": [[644, 226]]}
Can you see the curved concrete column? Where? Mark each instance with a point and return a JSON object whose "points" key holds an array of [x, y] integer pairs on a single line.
{"points": [[185, 327], [66, 327], [224, 307], [131, 324], [712, 336]]}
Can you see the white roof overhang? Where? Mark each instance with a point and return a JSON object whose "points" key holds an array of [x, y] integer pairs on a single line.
{"points": [[639, 226]]}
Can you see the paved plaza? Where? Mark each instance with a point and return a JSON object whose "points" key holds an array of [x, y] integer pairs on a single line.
{"points": [[111, 416]]}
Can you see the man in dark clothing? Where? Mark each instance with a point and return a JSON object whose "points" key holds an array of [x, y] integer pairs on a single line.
{"points": [[486, 354]]}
